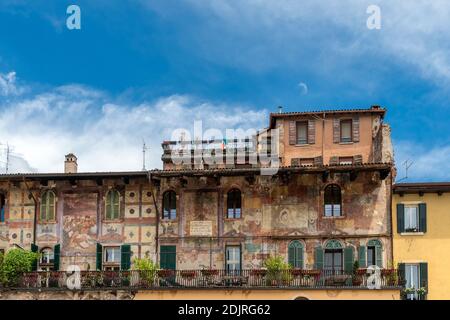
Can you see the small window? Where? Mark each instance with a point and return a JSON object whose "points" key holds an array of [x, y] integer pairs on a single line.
{"points": [[371, 257], [169, 205], [307, 161], [47, 256], [302, 132], [2, 208], [332, 201], [412, 218], [112, 205], [346, 130], [234, 204], [345, 160], [48, 206], [111, 258], [412, 275], [233, 259]]}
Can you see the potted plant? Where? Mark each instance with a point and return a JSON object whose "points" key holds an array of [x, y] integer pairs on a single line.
{"points": [[356, 278], [296, 272], [422, 291], [146, 271], [209, 272], [278, 271], [258, 272]]}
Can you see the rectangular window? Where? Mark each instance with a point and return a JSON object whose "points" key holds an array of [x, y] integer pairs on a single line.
{"points": [[2, 208], [412, 218], [302, 132], [346, 130], [412, 279], [111, 258], [233, 259], [333, 261], [345, 160], [371, 257]]}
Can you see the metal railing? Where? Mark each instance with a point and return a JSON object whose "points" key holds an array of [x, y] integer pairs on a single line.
{"points": [[207, 278]]}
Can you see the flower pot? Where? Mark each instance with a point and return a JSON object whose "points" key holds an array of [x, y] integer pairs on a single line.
{"points": [[187, 274], [209, 272]]}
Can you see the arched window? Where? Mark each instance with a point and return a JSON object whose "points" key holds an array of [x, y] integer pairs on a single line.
{"points": [[47, 256], [332, 201], [295, 254], [334, 257], [48, 206], [234, 204], [374, 253], [112, 205], [169, 205]]}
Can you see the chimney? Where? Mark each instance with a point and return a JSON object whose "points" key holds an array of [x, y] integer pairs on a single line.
{"points": [[70, 165], [280, 109]]}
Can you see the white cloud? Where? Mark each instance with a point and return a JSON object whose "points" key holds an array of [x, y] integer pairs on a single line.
{"points": [[8, 84], [105, 135], [429, 164], [303, 88]]}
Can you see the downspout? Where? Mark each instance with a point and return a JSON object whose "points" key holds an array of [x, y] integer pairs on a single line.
{"points": [[390, 220], [157, 217], [35, 211]]}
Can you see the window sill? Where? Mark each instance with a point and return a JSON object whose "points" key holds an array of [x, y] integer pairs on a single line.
{"points": [[412, 233], [303, 144], [47, 222], [344, 143], [232, 219], [336, 217], [113, 221]]}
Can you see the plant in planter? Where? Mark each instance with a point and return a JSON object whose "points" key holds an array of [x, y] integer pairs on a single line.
{"points": [[296, 272], [210, 272], [422, 291], [147, 271], [356, 278], [15, 263], [278, 271]]}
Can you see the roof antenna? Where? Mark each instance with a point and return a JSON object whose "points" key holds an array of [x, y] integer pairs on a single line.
{"points": [[280, 109], [144, 148], [407, 164]]}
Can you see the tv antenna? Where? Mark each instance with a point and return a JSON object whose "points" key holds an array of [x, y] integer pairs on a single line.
{"points": [[144, 149], [407, 164], [8, 153]]}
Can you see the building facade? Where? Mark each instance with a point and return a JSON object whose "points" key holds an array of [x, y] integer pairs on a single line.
{"points": [[421, 236], [327, 205]]}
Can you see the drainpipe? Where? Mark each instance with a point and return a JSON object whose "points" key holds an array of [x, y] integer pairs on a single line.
{"points": [[35, 211], [157, 217], [390, 220]]}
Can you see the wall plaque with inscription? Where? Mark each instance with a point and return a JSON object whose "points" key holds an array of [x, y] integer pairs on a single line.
{"points": [[200, 228]]}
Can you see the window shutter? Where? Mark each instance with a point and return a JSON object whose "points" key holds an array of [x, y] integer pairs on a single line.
{"points": [[358, 159], [125, 257], [291, 256], [108, 207], [336, 130], [34, 265], [99, 256], [334, 161], [362, 256], [318, 258], [348, 259], [299, 256], [400, 218], [116, 205], [423, 274], [295, 161], [379, 256], [422, 217], [292, 133], [56, 256], [318, 161], [355, 126], [311, 131], [401, 271]]}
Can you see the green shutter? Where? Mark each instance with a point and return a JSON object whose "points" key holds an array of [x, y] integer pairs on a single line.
{"points": [[299, 257], [348, 259], [168, 257], [422, 217], [400, 217], [99, 256], [423, 274], [125, 257], [116, 205], [318, 258], [295, 254], [401, 271], [35, 249], [56, 256], [291, 256], [379, 256], [362, 256]]}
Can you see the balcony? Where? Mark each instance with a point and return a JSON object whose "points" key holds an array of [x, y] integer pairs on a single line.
{"points": [[206, 278]]}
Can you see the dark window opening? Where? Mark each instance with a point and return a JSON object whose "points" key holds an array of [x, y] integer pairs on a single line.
{"points": [[234, 204], [333, 260], [170, 205], [332, 201]]}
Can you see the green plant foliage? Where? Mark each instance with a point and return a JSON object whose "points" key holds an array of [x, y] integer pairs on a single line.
{"points": [[277, 270], [147, 269], [14, 263]]}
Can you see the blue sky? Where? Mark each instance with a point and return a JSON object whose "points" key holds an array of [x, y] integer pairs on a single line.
{"points": [[138, 69]]}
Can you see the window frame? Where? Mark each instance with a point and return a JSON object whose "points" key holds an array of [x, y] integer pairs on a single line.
{"points": [[111, 265], [172, 211], [234, 207], [2, 208], [45, 196], [334, 204], [407, 213], [412, 296], [236, 263], [346, 160], [341, 138], [297, 125]]}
